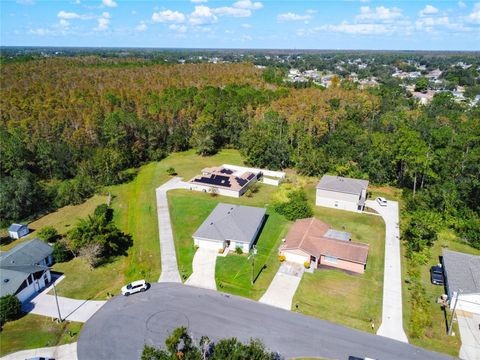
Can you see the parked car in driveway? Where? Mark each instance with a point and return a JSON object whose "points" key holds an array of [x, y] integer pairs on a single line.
{"points": [[381, 201], [436, 275], [134, 287]]}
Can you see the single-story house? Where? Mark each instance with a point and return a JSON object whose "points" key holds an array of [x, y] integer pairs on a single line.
{"points": [[24, 270], [342, 193], [462, 278], [311, 240], [230, 226], [16, 231], [224, 181]]}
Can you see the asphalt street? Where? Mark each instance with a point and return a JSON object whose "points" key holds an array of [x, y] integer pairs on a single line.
{"points": [[123, 325]]}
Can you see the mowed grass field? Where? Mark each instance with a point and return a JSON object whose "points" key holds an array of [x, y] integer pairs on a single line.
{"points": [[435, 336], [233, 273], [34, 331]]}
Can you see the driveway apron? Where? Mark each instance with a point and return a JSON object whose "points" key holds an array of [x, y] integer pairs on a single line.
{"points": [[203, 265]]}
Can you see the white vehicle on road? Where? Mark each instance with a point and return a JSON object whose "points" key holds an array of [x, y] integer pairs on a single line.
{"points": [[381, 201], [134, 287]]}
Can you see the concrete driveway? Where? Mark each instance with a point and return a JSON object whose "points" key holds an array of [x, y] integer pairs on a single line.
{"points": [[469, 324], [167, 246], [70, 309], [122, 327], [392, 317], [62, 352], [283, 286], [203, 265]]}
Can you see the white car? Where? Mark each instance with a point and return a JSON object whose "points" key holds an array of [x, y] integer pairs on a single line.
{"points": [[134, 287], [382, 201]]}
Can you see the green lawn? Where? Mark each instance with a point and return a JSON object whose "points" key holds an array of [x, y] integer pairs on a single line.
{"points": [[233, 273], [435, 336], [34, 331], [351, 300]]}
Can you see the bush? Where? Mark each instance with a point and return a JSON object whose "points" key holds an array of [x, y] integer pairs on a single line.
{"points": [[297, 206], [171, 171], [10, 308], [61, 252], [282, 258], [306, 264], [221, 251], [238, 250], [48, 234]]}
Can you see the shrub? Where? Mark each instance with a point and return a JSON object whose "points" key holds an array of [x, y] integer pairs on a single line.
{"points": [[282, 258], [61, 252], [220, 251], [306, 264], [10, 308], [238, 250], [297, 206], [171, 171], [48, 234]]}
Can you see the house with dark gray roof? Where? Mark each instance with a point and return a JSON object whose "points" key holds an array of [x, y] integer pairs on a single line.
{"points": [[341, 193], [462, 278], [24, 270], [230, 226], [16, 231]]}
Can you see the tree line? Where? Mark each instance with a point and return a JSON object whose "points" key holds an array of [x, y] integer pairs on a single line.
{"points": [[68, 128]]}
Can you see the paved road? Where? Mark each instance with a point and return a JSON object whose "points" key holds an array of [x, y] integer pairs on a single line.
{"points": [[392, 317], [121, 328], [63, 352], [283, 286], [167, 246], [70, 309], [203, 266], [468, 324]]}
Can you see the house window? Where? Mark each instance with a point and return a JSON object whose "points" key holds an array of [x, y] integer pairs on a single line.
{"points": [[336, 203], [331, 259]]}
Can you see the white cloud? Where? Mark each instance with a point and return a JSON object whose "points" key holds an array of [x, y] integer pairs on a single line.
{"points": [[475, 14], [351, 29], [68, 15], [109, 3], [428, 10], [141, 27], [178, 28], [25, 2], [248, 4], [246, 38], [232, 11], [199, 1], [63, 23], [379, 14], [461, 4], [168, 16], [202, 15], [311, 11], [103, 22], [292, 17], [246, 26]]}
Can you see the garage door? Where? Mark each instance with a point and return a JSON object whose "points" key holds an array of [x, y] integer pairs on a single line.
{"points": [[209, 244]]}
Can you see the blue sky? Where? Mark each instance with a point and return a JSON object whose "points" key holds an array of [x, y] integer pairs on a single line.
{"points": [[294, 24]]}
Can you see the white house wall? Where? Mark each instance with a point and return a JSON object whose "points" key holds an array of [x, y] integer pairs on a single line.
{"points": [[219, 191], [337, 200], [33, 288]]}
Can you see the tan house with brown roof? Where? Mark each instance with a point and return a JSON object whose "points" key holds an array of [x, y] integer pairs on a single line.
{"points": [[312, 240]]}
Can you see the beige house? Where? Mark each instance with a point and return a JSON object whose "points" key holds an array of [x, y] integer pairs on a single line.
{"points": [[223, 181], [311, 240], [341, 193]]}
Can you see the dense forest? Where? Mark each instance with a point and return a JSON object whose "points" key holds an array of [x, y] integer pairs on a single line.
{"points": [[70, 125]]}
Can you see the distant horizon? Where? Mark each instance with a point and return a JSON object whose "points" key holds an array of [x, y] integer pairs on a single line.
{"points": [[348, 25], [235, 49]]}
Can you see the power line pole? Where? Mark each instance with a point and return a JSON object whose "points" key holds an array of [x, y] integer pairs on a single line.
{"points": [[254, 251], [453, 312]]}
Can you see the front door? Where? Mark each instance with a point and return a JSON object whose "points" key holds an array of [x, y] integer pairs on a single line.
{"points": [[227, 243]]}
